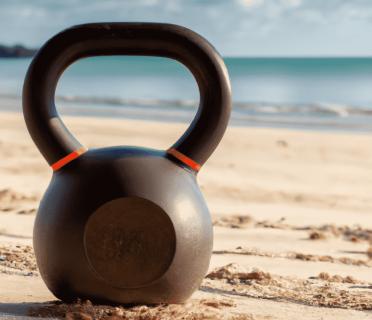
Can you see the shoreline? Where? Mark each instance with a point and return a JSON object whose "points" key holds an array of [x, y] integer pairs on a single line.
{"points": [[343, 125]]}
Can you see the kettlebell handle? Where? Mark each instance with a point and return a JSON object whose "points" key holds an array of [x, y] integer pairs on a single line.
{"points": [[58, 145]]}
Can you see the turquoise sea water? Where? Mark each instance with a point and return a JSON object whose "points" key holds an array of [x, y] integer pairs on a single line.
{"points": [[311, 93]]}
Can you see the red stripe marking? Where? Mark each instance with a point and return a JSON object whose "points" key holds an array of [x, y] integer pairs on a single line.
{"points": [[185, 159], [70, 157]]}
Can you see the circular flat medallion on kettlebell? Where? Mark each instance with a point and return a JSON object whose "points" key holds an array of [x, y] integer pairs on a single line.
{"points": [[129, 242]]}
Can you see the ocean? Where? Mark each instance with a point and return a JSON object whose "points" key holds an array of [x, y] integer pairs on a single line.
{"points": [[307, 93]]}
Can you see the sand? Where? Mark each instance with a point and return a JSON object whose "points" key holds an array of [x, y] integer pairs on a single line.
{"points": [[292, 213]]}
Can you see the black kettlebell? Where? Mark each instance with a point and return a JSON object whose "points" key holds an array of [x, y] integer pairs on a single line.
{"points": [[124, 224]]}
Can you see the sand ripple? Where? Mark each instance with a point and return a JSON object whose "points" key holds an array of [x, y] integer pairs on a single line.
{"points": [[17, 259], [324, 290], [218, 309], [296, 256]]}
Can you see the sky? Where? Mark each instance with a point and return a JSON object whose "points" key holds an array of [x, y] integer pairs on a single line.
{"points": [[234, 27]]}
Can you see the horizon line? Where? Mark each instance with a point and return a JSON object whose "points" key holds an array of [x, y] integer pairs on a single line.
{"points": [[297, 57]]}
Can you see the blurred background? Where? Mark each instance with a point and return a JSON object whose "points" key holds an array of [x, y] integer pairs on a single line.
{"points": [[292, 63], [288, 188]]}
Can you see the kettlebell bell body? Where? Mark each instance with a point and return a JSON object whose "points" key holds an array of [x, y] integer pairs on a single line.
{"points": [[124, 224]]}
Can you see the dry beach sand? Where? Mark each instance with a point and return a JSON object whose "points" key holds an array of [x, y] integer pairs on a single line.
{"points": [[292, 212]]}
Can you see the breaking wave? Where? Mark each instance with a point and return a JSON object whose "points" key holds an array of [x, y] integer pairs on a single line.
{"points": [[316, 109], [311, 116]]}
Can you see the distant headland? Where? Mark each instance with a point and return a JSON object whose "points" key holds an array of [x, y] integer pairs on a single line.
{"points": [[16, 51]]}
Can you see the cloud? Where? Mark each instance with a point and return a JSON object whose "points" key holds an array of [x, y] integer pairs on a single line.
{"points": [[250, 3], [292, 3], [257, 3], [235, 27]]}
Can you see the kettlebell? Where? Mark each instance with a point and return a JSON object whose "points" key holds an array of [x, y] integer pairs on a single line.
{"points": [[124, 224]]}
